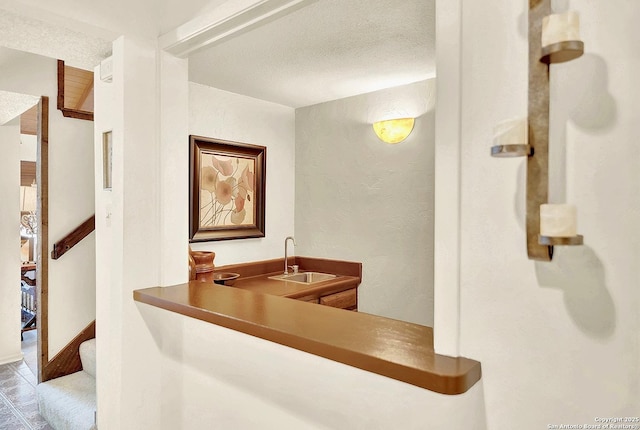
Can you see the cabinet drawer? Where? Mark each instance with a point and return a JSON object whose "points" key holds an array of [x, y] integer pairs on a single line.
{"points": [[310, 299], [344, 299]]}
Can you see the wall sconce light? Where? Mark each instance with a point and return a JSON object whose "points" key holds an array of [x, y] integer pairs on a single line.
{"points": [[393, 130]]}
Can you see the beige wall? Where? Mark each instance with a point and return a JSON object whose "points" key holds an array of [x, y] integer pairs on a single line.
{"points": [[558, 341], [360, 199], [10, 240], [224, 115]]}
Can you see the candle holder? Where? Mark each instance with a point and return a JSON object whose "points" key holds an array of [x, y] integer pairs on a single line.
{"points": [[511, 139], [558, 225], [552, 39], [560, 38]]}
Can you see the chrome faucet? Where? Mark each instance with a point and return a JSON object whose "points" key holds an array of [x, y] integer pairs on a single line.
{"points": [[286, 261]]}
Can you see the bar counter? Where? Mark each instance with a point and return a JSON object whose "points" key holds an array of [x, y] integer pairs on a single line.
{"points": [[392, 348]]}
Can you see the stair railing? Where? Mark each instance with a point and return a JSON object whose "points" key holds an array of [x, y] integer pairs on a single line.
{"points": [[73, 238]]}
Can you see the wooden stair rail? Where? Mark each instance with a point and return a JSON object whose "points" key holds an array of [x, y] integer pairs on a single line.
{"points": [[70, 240]]}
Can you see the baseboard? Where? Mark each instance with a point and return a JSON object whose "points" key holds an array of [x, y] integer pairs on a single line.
{"points": [[11, 358], [67, 361]]}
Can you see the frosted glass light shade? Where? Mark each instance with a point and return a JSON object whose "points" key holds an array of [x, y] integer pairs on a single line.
{"points": [[512, 132], [393, 130], [558, 220], [560, 27]]}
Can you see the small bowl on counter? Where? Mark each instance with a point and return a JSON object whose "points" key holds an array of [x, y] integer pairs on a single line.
{"points": [[225, 278]]}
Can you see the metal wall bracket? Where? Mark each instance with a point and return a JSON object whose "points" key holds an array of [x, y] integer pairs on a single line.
{"points": [[538, 119], [537, 151]]}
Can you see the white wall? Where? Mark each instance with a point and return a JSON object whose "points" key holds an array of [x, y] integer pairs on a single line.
{"points": [[174, 159], [71, 278], [224, 115], [72, 295], [360, 199], [558, 341], [28, 147], [214, 375], [10, 238], [128, 231]]}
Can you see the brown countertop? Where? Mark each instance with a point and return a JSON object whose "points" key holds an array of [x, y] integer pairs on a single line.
{"points": [[392, 348], [255, 277], [294, 290]]}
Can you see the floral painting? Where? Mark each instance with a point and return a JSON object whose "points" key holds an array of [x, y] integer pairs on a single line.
{"points": [[227, 189]]}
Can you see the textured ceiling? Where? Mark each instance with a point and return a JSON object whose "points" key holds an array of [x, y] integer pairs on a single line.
{"points": [[29, 34], [328, 50], [13, 104], [109, 19]]}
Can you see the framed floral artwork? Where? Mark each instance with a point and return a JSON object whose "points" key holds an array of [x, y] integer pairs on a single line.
{"points": [[227, 189]]}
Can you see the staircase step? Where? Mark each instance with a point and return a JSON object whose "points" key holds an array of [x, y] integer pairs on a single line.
{"points": [[88, 356], [68, 402]]}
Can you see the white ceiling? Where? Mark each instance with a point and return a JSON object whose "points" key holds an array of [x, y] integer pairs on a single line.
{"points": [[109, 19], [14, 104], [32, 35], [328, 50]]}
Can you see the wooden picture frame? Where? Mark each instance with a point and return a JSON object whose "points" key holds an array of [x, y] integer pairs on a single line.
{"points": [[226, 189]]}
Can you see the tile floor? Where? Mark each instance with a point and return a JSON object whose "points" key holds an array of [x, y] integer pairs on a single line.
{"points": [[18, 405]]}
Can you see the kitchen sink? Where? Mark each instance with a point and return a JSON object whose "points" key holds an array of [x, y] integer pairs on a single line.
{"points": [[304, 277]]}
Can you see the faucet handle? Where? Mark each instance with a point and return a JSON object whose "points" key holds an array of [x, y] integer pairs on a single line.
{"points": [[294, 268]]}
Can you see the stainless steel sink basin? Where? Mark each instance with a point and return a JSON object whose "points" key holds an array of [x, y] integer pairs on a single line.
{"points": [[304, 277]]}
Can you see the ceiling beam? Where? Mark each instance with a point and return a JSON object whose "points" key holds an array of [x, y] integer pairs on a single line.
{"points": [[230, 19]]}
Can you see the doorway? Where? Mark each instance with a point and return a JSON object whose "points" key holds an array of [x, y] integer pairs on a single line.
{"points": [[20, 295], [29, 223]]}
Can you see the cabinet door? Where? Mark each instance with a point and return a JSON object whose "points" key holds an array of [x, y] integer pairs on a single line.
{"points": [[345, 299]]}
